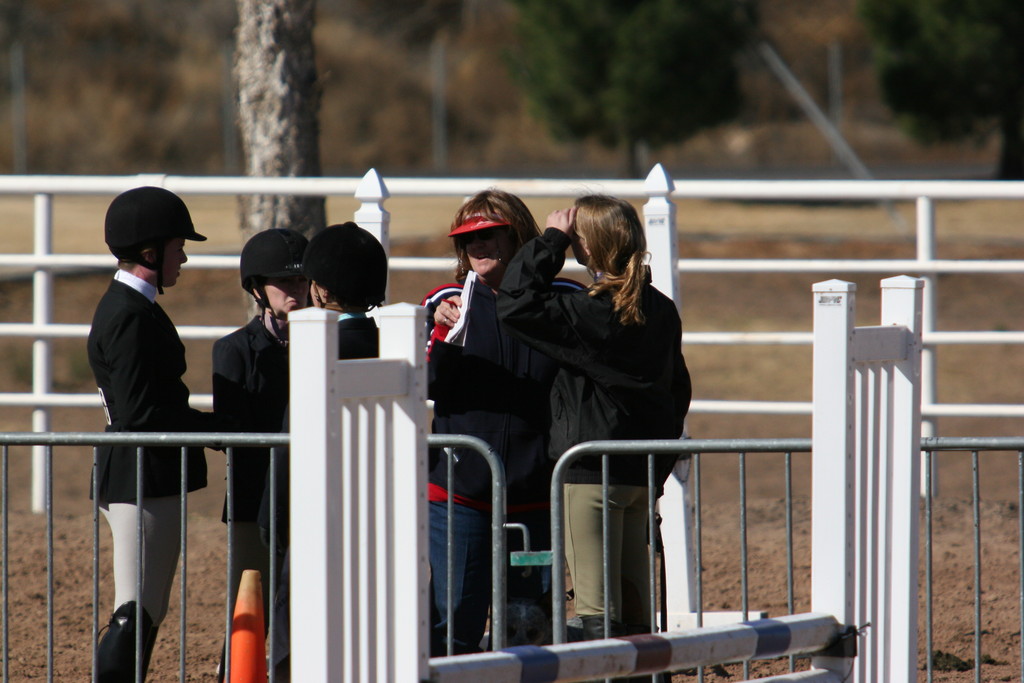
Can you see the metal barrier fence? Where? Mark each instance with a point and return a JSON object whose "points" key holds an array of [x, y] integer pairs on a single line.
{"points": [[447, 442], [699, 450], [48, 441], [931, 446], [974, 447], [692, 449]]}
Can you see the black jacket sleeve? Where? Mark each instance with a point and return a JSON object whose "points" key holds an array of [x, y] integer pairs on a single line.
{"points": [[533, 311], [230, 395]]}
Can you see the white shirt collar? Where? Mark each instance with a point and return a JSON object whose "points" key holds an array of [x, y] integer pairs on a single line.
{"points": [[138, 284]]}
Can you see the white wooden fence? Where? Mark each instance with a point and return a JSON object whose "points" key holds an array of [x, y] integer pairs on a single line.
{"points": [[661, 193], [358, 487], [866, 473], [358, 529], [659, 214]]}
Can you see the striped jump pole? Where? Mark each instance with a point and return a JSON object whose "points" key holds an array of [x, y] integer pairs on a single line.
{"points": [[650, 653]]}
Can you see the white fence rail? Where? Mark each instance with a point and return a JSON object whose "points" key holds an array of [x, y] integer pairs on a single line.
{"points": [[661, 194], [660, 191]]}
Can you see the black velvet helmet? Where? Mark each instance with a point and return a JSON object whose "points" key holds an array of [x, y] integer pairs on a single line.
{"points": [[350, 263], [146, 215], [272, 253]]}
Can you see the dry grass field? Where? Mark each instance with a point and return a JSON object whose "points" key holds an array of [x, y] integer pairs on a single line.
{"points": [[974, 230]]}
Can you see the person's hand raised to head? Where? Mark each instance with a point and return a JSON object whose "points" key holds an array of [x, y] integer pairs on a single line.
{"points": [[563, 220]]}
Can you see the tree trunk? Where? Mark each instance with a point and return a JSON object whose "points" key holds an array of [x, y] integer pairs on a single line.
{"points": [[1011, 155], [278, 105]]}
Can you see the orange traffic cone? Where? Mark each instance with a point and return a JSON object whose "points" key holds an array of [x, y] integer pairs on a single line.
{"points": [[248, 645]]}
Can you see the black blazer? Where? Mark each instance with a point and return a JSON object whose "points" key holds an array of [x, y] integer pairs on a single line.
{"points": [[138, 360], [250, 386]]}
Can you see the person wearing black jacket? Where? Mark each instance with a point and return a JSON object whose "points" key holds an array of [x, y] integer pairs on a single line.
{"points": [[486, 384], [622, 376], [250, 385], [347, 270], [138, 361]]}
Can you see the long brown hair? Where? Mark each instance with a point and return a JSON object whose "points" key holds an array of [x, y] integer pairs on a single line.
{"points": [[496, 205], [618, 252]]}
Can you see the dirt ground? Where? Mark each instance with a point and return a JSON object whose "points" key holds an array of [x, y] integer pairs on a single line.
{"points": [[768, 302]]}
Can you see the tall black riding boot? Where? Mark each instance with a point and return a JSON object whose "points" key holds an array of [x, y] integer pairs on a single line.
{"points": [[148, 645], [115, 657]]}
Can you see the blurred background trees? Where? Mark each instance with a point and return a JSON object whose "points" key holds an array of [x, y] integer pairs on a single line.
{"points": [[647, 72], [128, 86], [954, 70]]}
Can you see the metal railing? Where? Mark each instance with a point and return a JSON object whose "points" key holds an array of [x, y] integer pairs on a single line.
{"points": [[649, 449], [974, 447], [698, 450], [49, 441], [446, 442]]}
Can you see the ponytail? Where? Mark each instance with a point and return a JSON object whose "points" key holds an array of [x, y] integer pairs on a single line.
{"points": [[618, 252]]}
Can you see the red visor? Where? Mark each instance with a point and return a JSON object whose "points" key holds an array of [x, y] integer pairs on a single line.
{"points": [[477, 223]]}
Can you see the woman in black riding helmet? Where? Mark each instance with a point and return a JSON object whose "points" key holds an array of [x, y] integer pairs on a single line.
{"points": [[347, 269], [138, 361], [250, 384]]}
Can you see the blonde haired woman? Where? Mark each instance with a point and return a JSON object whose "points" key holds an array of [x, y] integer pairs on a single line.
{"points": [[622, 376]]}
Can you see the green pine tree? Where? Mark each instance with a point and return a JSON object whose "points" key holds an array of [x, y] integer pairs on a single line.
{"points": [[629, 71], [952, 69]]}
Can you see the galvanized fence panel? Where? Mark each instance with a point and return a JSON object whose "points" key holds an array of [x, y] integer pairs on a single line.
{"points": [[977, 451], [49, 441], [498, 541], [683, 447]]}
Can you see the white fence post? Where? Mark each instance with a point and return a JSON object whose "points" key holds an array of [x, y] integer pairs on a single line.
{"points": [[402, 336], [315, 484], [371, 214], [42, 356], [832, 434], [660, 226], [358, 503], [902, 306], [926, 251], [674, 506], [678, 541], [866, 475]]}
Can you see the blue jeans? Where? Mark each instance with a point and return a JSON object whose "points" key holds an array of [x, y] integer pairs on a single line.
{"points": [[471, 577]]}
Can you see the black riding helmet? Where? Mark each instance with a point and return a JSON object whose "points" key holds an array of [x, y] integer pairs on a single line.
{"points": [[147, 217], [350, 263], [271, 253]]}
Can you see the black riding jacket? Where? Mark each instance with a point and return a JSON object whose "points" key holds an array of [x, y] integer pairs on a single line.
{"points": [[138, 360], [494, 388], [615, 381], [250, 385]]}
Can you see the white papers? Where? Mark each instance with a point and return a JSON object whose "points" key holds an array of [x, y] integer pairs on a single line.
{"points": [[457, 335]]}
